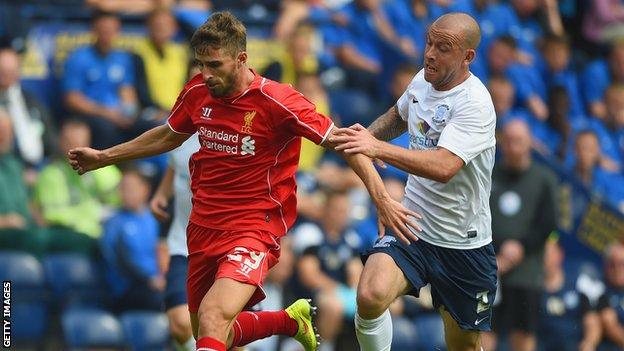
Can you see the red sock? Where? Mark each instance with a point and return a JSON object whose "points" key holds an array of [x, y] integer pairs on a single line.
{"points": [[251, 326], [209, 344]]}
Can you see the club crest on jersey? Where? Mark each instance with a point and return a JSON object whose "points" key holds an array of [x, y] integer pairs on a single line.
{"points": [[205, 114], [248, 121], [441, 114]]}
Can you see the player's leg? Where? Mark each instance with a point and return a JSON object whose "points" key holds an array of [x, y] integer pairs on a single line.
{"points": [[458, 339], [382, 281], [176, 304], [463, 288]]}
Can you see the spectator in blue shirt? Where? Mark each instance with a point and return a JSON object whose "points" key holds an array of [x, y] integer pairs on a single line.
{"points": [[598, 75], [610, 130], [530, 88], [98, 83], [567, 320], [557, 71], [129, 247], [367, 34], [331, 268]]}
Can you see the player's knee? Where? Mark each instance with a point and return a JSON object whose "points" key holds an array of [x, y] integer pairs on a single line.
{"points": [[372, 299], [214, 318], [180, 326]]}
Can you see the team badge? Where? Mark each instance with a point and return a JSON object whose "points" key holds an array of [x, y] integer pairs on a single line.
{"points": [[441, 114], [248, 121]]}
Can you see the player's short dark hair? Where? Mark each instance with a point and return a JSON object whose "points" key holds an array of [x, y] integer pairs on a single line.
{"points": [[221, 30], [99, 14], [507, 40]]}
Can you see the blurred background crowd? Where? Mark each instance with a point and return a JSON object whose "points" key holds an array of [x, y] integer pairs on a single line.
{"points": [[87, 258]]}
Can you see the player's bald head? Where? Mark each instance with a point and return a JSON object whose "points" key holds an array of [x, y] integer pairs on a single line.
{"points": [[462, 25]]}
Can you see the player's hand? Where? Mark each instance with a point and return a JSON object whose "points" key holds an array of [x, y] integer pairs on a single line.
{"points": [[512, 251], [357, 140], [12, 220], [158, 205], [85, 159], [393, 215]]}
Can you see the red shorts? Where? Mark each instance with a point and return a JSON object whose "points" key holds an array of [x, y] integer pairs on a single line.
{"points": [[245, 256]]}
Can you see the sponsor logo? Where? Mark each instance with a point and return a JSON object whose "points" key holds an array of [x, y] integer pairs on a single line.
{"points": [[248, 147], [205, 113], [423, 127], [248, 121], [478, 321]]}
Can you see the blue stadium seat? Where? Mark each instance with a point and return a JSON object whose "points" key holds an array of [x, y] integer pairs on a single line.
{"points": [[29, 321], [75, 281], [430, 331], [91, 328], [22, 269], [146, 330], [29, 309]]}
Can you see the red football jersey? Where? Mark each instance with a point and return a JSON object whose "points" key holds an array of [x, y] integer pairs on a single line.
{"points": [[243, 176]]}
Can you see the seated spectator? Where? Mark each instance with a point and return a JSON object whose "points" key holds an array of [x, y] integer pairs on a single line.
{"points": [[558, 72], [610, 130], [610, 306], [528, 28], [18, 230], [298, 59], [73, 206], [410, 19], [129, 246], [528, 84], [605, 184], [98, 84], [361, 42], [162, 65], [564, 308], [33, 127], [604, 22], [503, 96], [132, 7], [192, 14], [598, 75], [331, 268]]}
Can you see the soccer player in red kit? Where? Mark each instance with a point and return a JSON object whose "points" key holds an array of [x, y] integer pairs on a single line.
{"points": [[243, 185]]}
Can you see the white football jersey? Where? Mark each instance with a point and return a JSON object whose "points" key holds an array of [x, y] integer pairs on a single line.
{"points": [[462, 120], [179, 161]]}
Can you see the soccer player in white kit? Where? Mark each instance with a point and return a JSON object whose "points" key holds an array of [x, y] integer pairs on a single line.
{"points": [[177, 180], [451, 121]]}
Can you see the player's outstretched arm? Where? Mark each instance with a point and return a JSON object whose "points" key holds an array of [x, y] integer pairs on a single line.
{"points": [[439, 165], [153, 142], [389, 125], [390, 212]]}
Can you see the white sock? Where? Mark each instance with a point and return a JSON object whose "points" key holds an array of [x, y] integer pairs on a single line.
{"points": [[189, 345], [374, 334]]}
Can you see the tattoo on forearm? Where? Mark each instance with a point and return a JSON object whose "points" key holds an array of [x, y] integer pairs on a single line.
{"points": [[389, 125]]}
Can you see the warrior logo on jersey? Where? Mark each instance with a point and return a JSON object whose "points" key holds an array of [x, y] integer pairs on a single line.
{"points": [[249, 116], [441, 114]]}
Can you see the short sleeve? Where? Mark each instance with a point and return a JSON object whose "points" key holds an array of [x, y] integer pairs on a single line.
{"points": [[469, 131], [180, 120], [299, 116], [73, 78]]}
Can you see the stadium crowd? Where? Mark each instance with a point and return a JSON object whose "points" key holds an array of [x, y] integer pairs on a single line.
{"points": [[555, 70]]}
